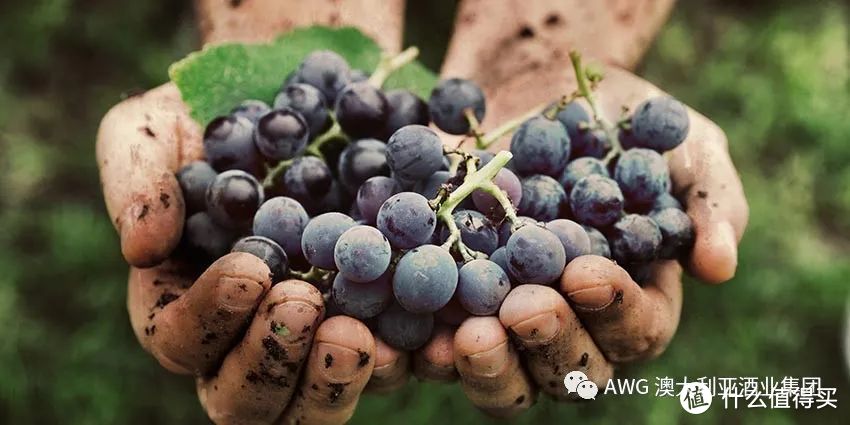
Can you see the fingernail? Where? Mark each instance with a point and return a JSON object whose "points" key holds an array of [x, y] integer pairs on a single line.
{"points": [[540, 328], [593, 298], [293, 320], [490, 362], [338, 363], [239, 293]]}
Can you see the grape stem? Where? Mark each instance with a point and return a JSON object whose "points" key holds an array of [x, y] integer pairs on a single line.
{"points": [[390, 64], [474, 126], [495, 134], [475, 179], [585, 91], [315, 276]]}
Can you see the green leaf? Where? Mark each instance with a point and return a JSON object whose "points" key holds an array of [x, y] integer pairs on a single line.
{"points": [[217, 78]]}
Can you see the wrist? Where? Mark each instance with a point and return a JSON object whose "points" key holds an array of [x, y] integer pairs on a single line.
{"points": [[262, 20], [491, 45]]}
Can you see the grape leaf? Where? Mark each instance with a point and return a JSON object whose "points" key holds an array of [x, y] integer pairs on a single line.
{"points": [[217, 78]]}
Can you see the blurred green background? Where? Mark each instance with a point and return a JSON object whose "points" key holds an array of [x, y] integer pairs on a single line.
{"points": [[773, 74]]}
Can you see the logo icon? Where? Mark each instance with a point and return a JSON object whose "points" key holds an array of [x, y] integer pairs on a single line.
{"points": [[577, 382], [695, 398]]}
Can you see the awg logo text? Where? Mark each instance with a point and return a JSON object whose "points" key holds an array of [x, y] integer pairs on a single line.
{"points": [[627, 386]]}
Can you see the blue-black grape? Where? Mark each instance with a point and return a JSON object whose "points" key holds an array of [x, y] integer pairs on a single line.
{"points": [[326, 71], [574, 238], [407, 220], [482, 286], [634, 239], [598, 242], [540, 146], [233, 198], [372, 195], [476, 231], [505, 228], [362, 160], [627, 139], [307, 180], [431, 186], [229, 145], [267, 250], [362, 254], [361, 110], [484, 157], [204, 240], [337, 199], [660, 123], [666, 200], [320, 237], [282, 220], [509, 183], [194, 179], [500, 257], [414, 152], [543, 198], [642, 175], [535, 255], [596, 201], [677, 232], [281, 134], [585, 140], [405, 108], [309, 102], [449, 100], [425, 279], [579, 169], [575, 119], [358, 75], [362, 300], [404, 330], [252, 109]]}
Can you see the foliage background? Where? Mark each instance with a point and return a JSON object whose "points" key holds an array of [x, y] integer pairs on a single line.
{"points": [[773, 74]]}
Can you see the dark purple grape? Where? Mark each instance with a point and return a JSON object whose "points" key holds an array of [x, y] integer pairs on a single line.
{"points": [[361, 110], [482, 286], [450, 99], [540, 146], [635, 239], [233, 198], [194, 179], [677, 232], [362, 300], [282, 220], [204, 240], [251, 109], [414, 152], [229, 145], [361, 161], [596, 201], [281, 134], [405, 108], [598, 242], [372, 195], [307, 180], [660, 124], [574, 238], [642, 175], [543, 198], [509, 183], [476, 231], [535, 255], [267, 250], [326, 71], [309, 102], [579, 169]]}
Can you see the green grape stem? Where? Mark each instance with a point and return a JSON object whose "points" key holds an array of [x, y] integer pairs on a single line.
{"points": [[585, 91], [509, 126], [475, 179], [314, 149], [390, 64]]}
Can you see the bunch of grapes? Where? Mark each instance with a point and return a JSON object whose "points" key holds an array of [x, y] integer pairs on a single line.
{"points": [[344, 185]]}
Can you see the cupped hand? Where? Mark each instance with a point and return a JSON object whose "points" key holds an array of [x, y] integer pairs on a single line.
{"points": [[598, 317]]}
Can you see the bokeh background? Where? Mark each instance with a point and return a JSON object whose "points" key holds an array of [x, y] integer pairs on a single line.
{"points": [[774, 74]]}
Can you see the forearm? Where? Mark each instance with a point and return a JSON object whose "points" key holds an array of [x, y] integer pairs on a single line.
{"points": [[257, 20]]}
